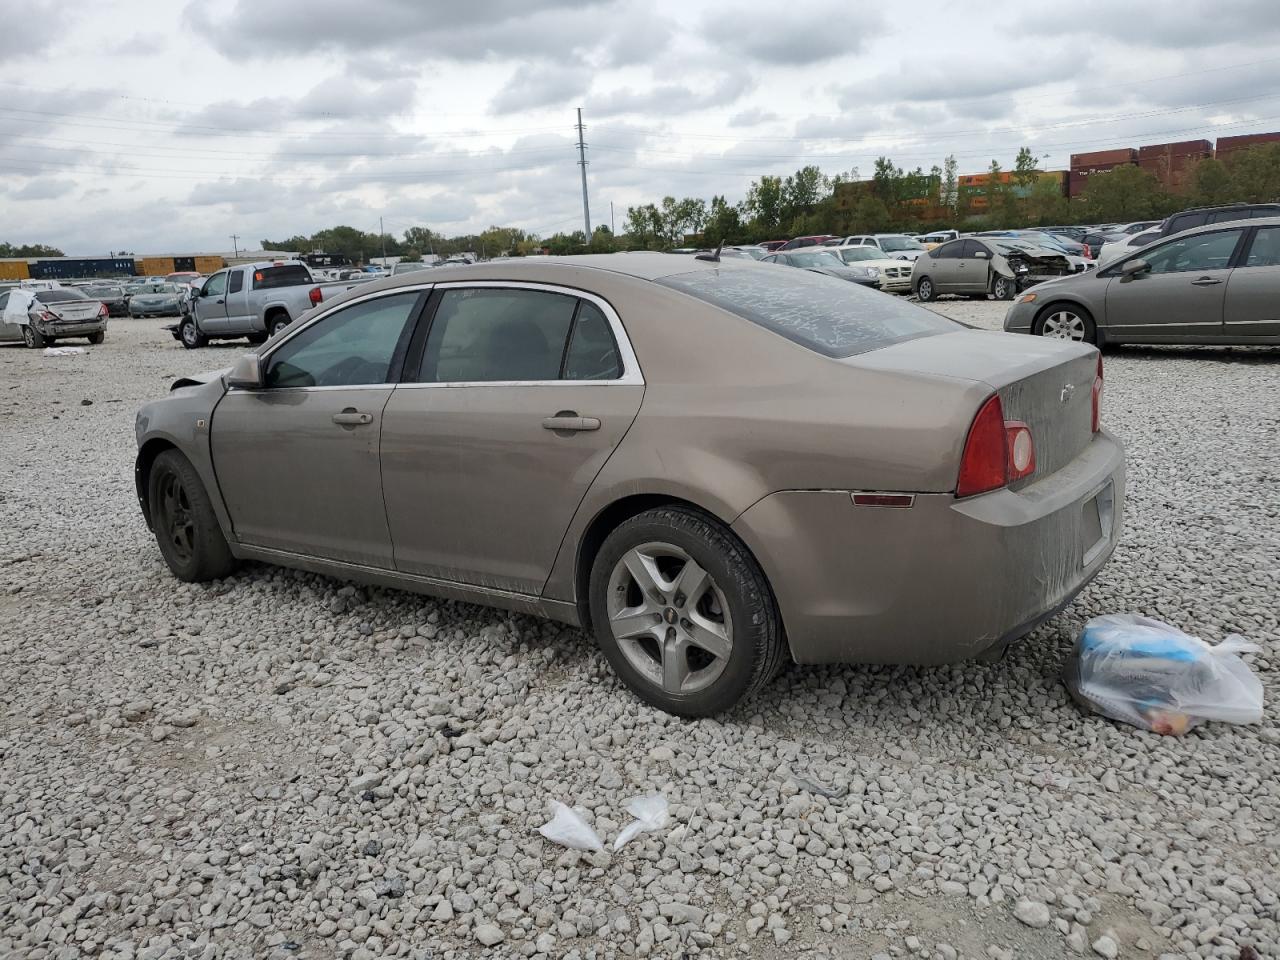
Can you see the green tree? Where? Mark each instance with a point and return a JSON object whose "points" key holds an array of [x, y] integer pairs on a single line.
{"points": [[1125, 193], [1026, 169], [950, 184], [1255, 173], [29, 250], [886, 181], [420, 238], [871, 215], [764, 204], [1211, 183], [644, 227], [724, 224], [602, 239]]}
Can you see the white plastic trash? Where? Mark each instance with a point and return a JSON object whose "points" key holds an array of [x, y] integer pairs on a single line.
{"points": [[650, 814], [62, 351], [1154, 676], [568, 828]]}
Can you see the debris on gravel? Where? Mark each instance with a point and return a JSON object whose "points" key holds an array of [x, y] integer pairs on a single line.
{"points": [[279, 764]]}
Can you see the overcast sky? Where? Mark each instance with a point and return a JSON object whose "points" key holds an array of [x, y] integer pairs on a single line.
{"points": [[164, 127]]}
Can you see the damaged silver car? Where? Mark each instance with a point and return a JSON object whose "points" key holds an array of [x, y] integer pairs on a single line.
{"points": [[984, 266]]}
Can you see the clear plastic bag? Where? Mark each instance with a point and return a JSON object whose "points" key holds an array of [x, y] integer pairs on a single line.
{"points": [[1154, 676], [650, 814], [568, 828]]}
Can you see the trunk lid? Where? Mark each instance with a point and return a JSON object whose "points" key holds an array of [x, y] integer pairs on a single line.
{"points": [[74, 311], [1047, 384]]}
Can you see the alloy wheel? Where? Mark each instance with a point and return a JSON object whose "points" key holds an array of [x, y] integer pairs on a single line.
{"points": [[1063, 325], [176, 522], [670, 619]]}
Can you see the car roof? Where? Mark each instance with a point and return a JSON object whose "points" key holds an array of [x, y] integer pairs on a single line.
{"points": [[1210, 227]]}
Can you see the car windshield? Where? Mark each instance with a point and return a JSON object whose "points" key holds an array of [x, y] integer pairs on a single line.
{"points": [[162, 288], [755, 253], [850, 254], [102, 290], [408, 267], [826, 315], [816, 259], [892, 244], [59, 295]]}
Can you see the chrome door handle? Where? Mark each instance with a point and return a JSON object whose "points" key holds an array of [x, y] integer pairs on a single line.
{"points": [[1205, 282], [570, 422], [350, 418]]}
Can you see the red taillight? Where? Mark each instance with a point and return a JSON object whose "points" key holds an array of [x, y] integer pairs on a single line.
{"points": [[997, 451], [315, 295], [1097, 397], [985, 463], [102, 310], [1088, 253]]}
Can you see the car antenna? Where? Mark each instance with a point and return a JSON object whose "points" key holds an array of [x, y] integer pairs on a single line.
{"points": [[712, 257]]}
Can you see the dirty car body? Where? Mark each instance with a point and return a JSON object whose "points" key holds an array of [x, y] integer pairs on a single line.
{"points": [[39, 317], [710, 466], [985, 265]]}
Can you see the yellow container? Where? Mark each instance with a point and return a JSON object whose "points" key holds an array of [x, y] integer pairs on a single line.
{"points": [[208, 265], [155, 266], [14, 270]]}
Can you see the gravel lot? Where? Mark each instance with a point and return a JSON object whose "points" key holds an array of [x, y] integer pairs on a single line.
{"points": [[281, 765]]}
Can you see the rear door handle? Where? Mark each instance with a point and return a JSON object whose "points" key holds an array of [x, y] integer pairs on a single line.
{"points": [[350, 418], [570, 422], [1205, 282]]}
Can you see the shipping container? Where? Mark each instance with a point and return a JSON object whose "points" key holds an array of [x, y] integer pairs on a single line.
{"points": [[1181, 148], [1231, 147], [73, 268], [207, 265], [1111, 158], [155, 266], [14, 270]]}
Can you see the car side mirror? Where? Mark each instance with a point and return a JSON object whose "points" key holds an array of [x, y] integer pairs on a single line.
{"points": [[1134, 268], [246, 373]]}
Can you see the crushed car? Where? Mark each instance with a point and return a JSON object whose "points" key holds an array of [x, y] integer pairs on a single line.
{"points": [[985, 266]]}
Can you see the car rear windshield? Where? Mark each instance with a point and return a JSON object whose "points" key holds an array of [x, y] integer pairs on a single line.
{"points": [[59, 295], [289, 275], [833, 317]]}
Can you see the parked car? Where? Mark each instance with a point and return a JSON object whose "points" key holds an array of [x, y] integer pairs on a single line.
{"points": [[897, 246], [1213, 284], [1125, 244], [825, 262], [797, 243], [183, 276], [1201, 216], [112, 294], [770, 245], [931, 240], [755, 253], [1076, 233], [405, 266], [43, 316], [158, 300], [978, 266], [919, 492], [894, 275], [255, 300]]}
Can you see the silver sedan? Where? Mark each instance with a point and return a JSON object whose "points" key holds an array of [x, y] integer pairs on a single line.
{"points": [[1217, 284]]}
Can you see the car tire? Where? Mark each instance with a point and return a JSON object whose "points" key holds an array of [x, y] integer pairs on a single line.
{"points": [[1066, 321], [96, 338], [1002, 288], [924, 290], [257, 338], [32, 337], [659, 652], [190, 335], [277, 322], [184, 523]]}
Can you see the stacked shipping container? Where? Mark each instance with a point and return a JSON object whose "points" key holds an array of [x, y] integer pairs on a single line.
{"points": [[1173, 163]]}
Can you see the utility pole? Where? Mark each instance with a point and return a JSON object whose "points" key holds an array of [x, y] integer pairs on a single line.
{"points": [[234, 245], [582, 162], [612, 229], [382, 234]]}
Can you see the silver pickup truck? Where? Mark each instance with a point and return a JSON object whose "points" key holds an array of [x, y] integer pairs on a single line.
{"points": [[253, 300]]}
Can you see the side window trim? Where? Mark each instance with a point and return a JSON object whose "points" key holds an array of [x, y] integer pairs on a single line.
{"points": [[403, 350], [631, 373]]}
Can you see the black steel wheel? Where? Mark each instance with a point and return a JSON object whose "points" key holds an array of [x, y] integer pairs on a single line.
{"points": [[184, 523]]}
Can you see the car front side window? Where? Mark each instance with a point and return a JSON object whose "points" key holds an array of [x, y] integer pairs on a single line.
{"points": [[488, 334], [216, 285], [1203, 251], [359, 345]]}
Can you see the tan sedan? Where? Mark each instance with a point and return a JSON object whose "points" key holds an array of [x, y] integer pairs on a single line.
{"points": [[709, 466]]}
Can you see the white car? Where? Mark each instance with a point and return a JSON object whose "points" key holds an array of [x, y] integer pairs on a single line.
{"points": [[1126, 244], [894, 274], [895, 246]]}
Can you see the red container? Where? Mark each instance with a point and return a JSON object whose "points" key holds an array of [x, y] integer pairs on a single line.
{"points": [[1182, 148], [1228, 146], [1103, 158]]}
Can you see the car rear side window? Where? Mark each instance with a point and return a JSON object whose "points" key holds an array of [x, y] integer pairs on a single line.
{"points": [[288, 275], [237, 282], [833, 317], [592, 353], [1265, 250], [492, 334], [357, 345]]}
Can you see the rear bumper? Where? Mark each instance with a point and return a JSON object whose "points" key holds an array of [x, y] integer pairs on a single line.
{"points": [[943, 580], [57, 330]]}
